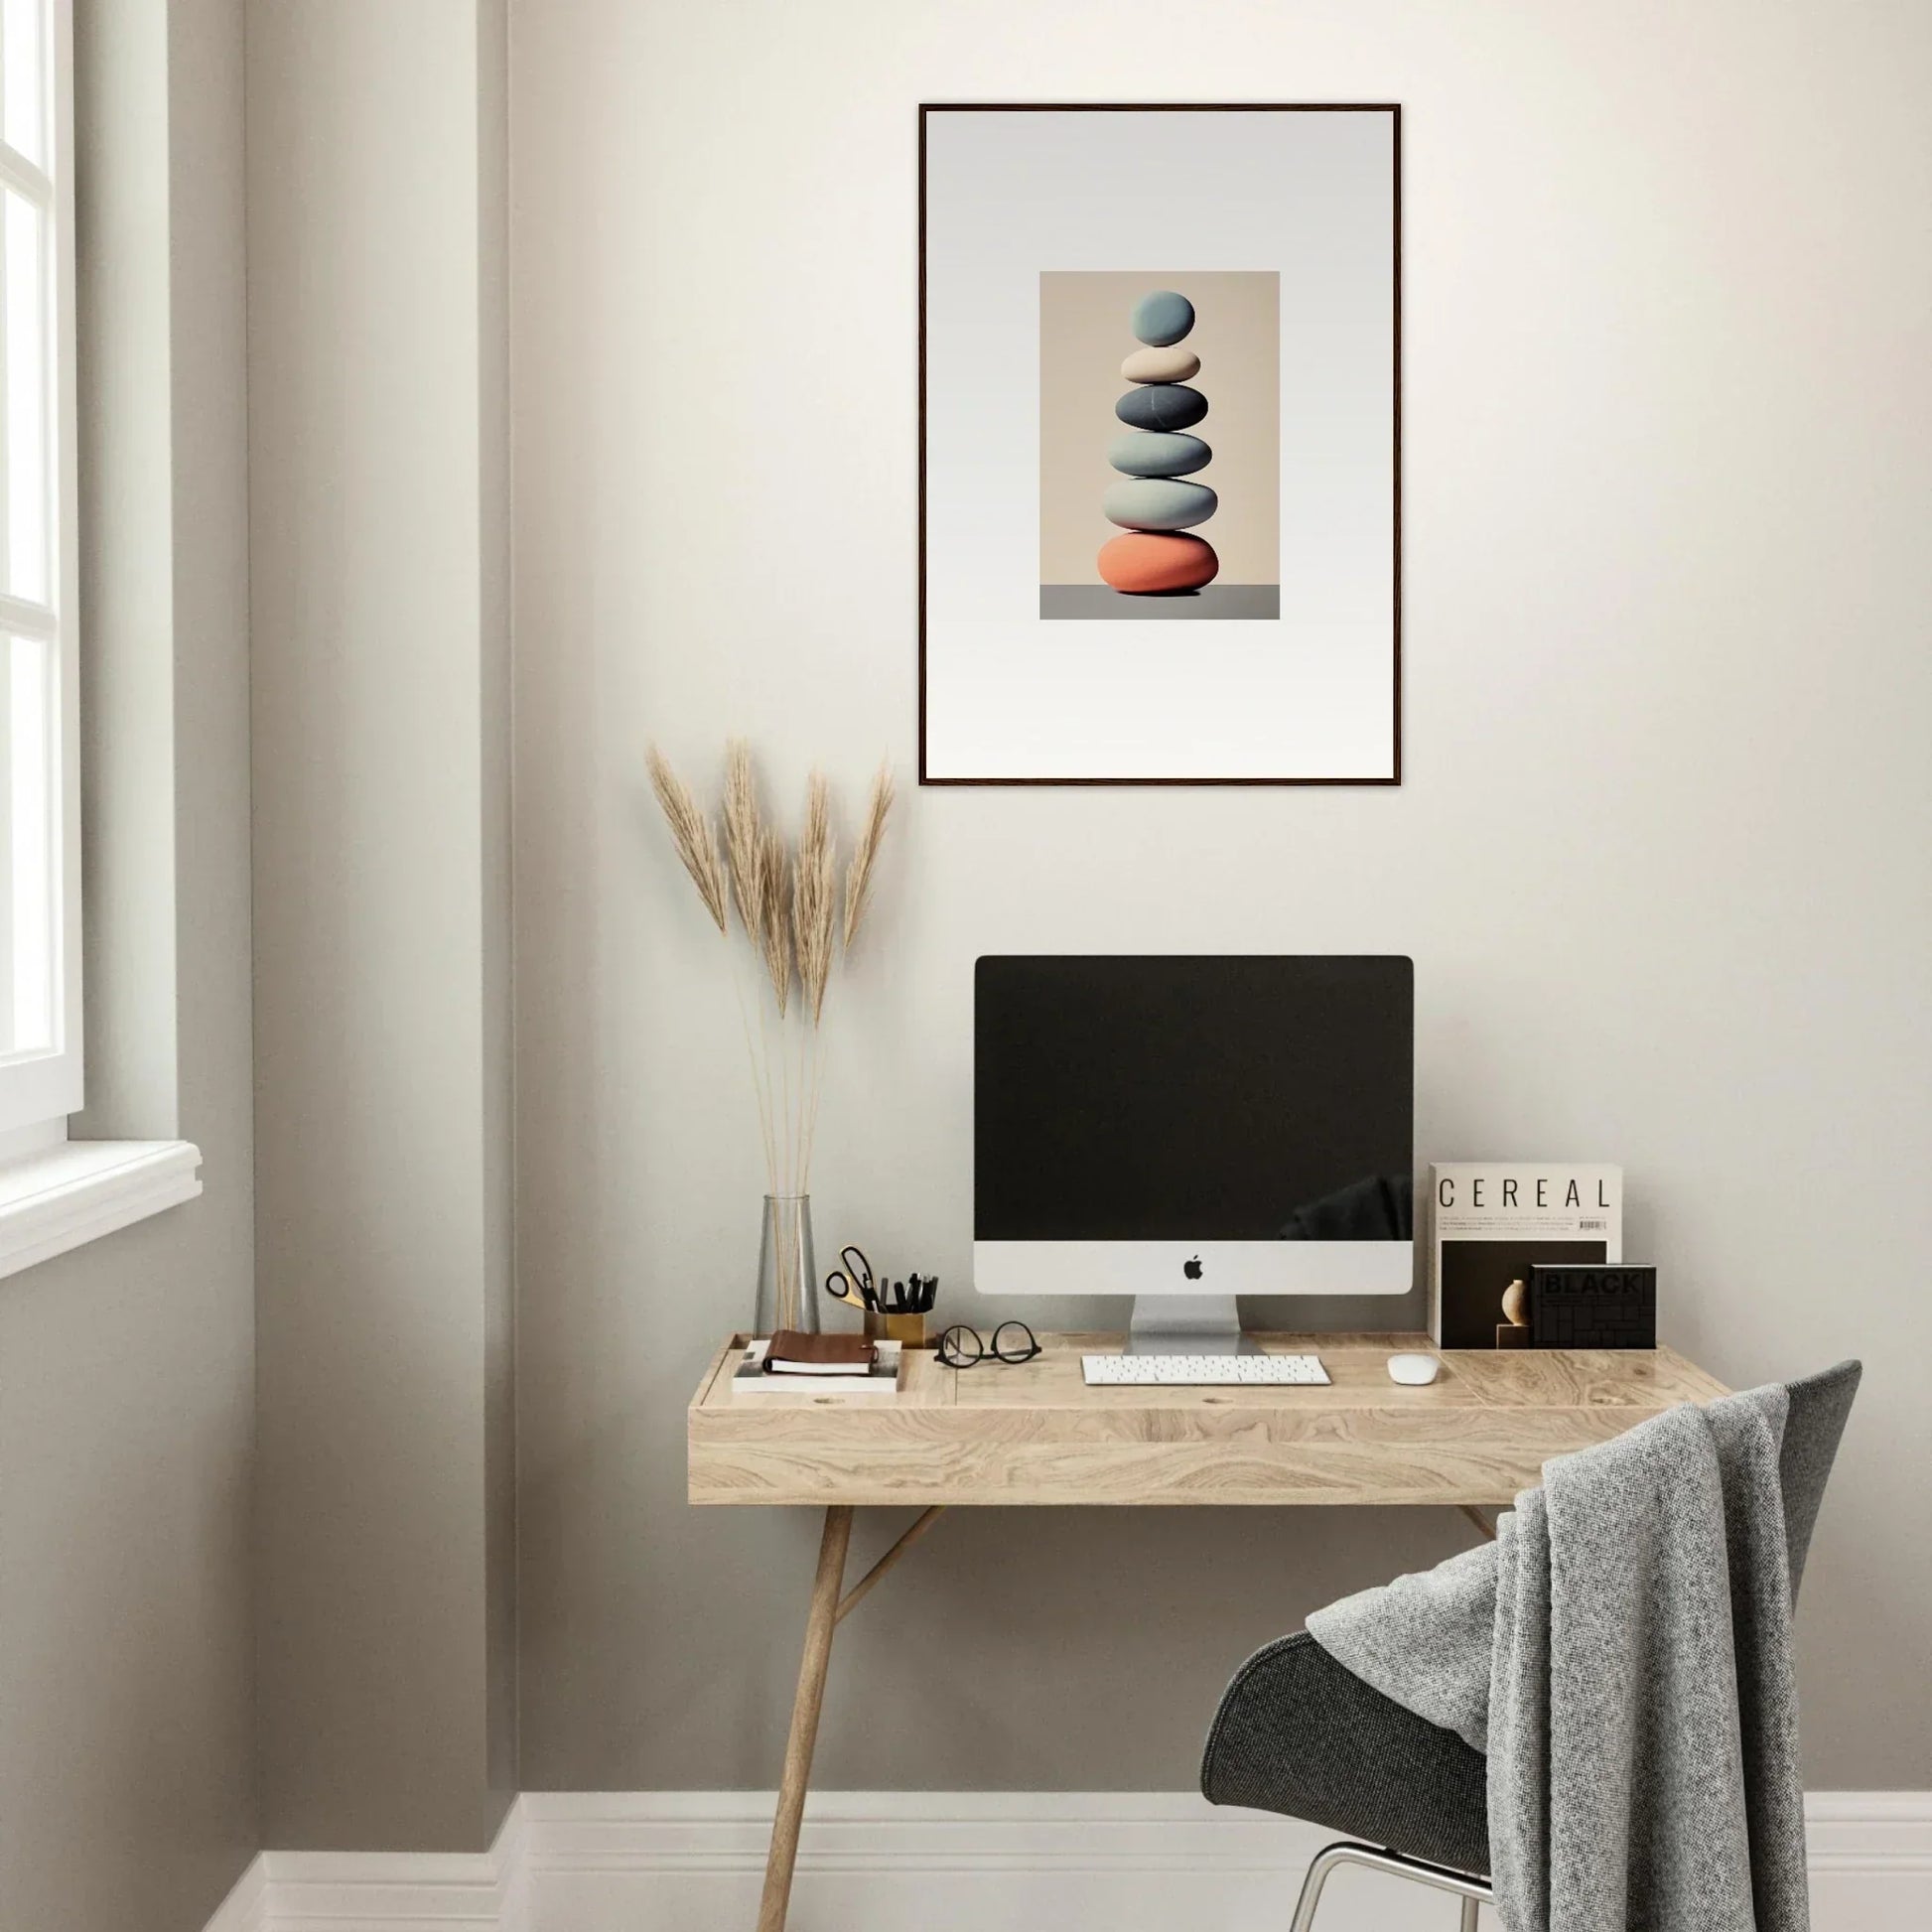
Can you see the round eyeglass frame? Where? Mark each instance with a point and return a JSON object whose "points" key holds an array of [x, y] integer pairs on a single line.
{"points": [[952, 1353]]}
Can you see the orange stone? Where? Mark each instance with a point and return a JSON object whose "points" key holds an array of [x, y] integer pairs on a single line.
{"points": [[1146, 561]]}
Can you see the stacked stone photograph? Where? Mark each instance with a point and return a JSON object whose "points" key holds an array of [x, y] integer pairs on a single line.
{"points": [[1154, 504]]}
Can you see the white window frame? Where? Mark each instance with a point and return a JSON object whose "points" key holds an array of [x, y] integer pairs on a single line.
{"points": [[56, 1193], [38, 1089]]}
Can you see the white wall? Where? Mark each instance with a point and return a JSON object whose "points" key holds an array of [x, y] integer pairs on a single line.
{"points": [[1660, 855]]}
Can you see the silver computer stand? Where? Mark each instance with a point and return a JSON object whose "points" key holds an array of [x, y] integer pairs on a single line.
{"points": [[1187, 1324]]}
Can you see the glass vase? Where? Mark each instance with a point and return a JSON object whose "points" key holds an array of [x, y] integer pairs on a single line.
{"points": [[787, 1275]]}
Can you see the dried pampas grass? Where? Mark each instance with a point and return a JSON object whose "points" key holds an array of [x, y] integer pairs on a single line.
{"points": [[788, 906], [692, 833], [744, 835], [814, 896], [858, 875], [775, 916]]}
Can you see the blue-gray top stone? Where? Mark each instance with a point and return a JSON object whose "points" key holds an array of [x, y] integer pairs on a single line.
{"points": [[1162, 318], [1162, 406]]}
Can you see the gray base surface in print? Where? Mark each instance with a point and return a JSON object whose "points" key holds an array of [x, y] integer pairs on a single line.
{"points": [[1216, 600]]}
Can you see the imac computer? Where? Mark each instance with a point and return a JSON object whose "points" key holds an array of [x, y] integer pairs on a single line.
{"points": [[1186, 1130]]}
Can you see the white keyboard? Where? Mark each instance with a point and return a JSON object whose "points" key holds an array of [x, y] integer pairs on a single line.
{"points": [[1202, 1371]]}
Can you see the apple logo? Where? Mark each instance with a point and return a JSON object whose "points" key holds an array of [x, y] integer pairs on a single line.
{"points": [[1192, 1269]]}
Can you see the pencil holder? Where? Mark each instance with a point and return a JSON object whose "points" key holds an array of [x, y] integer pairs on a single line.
{"points": [[908, 1329]]}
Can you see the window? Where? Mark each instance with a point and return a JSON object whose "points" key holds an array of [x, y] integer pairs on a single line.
{"points": [[54, 1193], [40, 790]]}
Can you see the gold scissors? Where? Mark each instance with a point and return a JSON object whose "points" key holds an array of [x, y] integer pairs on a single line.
{"points": [[852, 1282]]}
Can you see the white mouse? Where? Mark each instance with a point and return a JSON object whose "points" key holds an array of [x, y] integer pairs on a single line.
{"points": [[1415, 1370]]}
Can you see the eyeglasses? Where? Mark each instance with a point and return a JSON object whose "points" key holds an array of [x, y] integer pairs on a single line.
{"points": [[1013, 1342]]}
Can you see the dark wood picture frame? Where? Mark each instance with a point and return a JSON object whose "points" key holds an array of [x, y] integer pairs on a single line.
{"points": [[1391, 108]]}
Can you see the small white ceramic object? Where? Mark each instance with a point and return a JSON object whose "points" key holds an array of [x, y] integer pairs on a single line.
{"points": [[1413, 1370]]}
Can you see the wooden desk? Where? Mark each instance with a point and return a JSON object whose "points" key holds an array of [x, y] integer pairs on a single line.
{"points": [[1035, 1435]]}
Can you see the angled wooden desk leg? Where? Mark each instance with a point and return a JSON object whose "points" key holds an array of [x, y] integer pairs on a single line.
{"points": [[805, 1706]]}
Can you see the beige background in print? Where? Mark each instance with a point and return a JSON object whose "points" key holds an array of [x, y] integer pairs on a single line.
{"points": [[1083, 338]]}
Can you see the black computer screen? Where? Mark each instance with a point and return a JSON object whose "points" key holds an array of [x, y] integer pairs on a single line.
{"points": [[1192, 1099]]}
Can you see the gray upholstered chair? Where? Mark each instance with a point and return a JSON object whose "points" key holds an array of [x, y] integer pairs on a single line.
{"points": [[1299, 1734]]}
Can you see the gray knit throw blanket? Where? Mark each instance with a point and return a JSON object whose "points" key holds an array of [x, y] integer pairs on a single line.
{"points": [[1622, 1652]]}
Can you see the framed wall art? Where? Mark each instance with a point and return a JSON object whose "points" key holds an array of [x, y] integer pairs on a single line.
{"points": [[1160, 445]]}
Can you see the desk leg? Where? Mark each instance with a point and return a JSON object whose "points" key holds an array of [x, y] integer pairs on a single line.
{"points": [[819, 1621]]}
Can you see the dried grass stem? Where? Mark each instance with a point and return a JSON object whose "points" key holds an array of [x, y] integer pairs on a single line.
{"points": [[787, 905]]}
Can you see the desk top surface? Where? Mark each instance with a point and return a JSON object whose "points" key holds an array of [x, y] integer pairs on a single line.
{"points": [[1033, 1433]]}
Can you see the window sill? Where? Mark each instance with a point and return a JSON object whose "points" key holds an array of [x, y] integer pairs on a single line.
{"points": [[82, 1189]]}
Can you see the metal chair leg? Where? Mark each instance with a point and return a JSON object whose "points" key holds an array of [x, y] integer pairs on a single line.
{"points": [[1471, 1891], [1325, 1862]]}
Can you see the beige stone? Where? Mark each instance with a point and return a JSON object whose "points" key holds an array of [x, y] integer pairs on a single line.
{"points": [[1161, 365]]}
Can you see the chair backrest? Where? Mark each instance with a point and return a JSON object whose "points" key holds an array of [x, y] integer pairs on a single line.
{"points": [[1819, 1405]]}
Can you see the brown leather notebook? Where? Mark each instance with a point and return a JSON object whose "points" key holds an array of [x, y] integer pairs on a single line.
{"points": [[794, 1353]]}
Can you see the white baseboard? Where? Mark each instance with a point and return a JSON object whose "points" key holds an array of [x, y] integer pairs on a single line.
{"points": [[246, 1909], [1871, 1859], [955, 1861]]}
